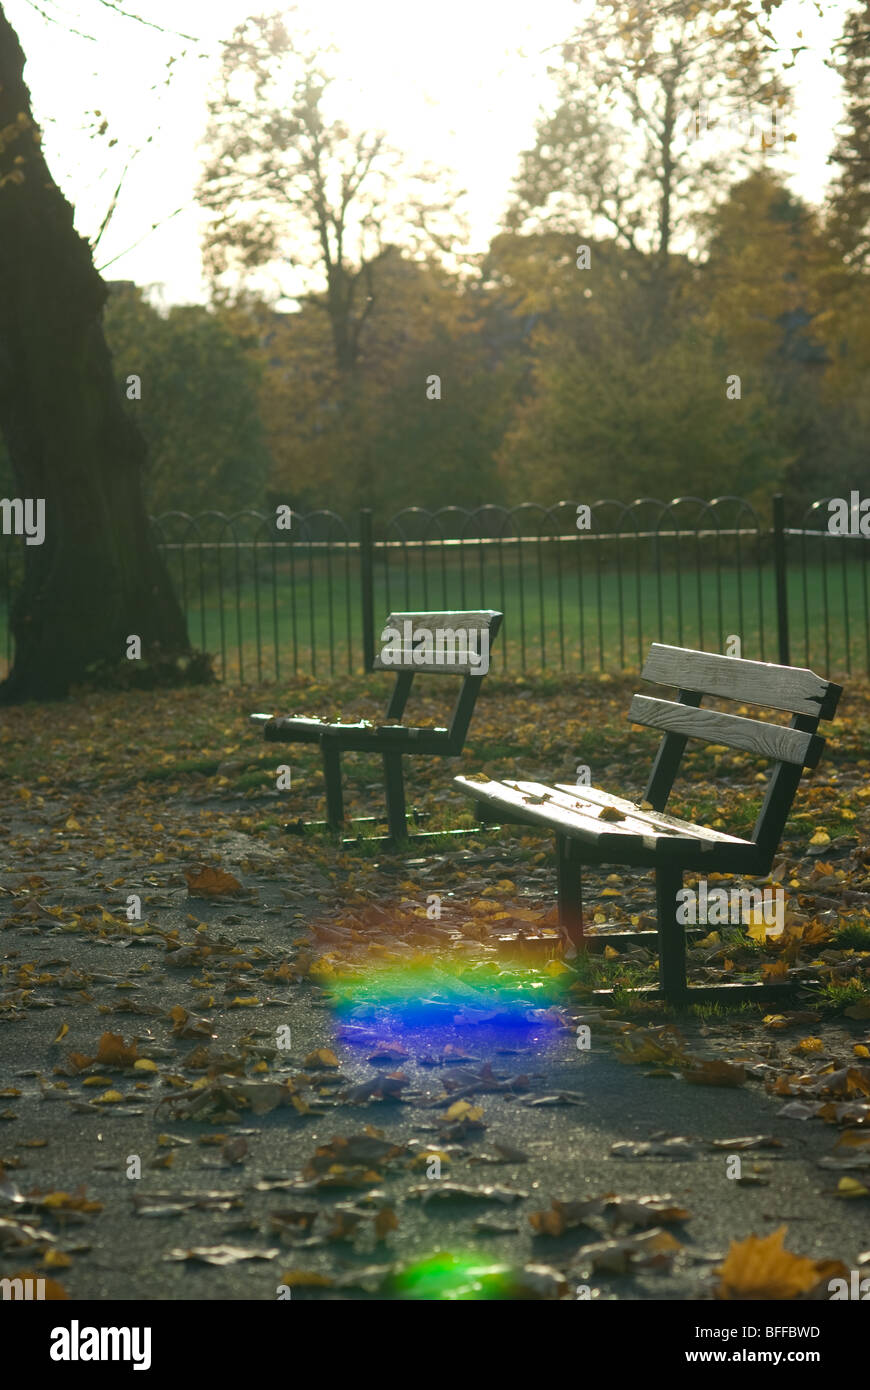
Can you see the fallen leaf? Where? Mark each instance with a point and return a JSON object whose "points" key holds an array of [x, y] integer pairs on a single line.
{"points": [[211, 883], [113, 1051], [761, 1268], [234, 1150], [851, 1187], [715, 1073], [454, 1191], [221, 1254], [321, 1057]]}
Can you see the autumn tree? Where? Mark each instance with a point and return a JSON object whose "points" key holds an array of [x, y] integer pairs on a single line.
{"points": [[288, 186], [767, 286], [98, 577], [631, 149], [596, 418], [411, 439]]}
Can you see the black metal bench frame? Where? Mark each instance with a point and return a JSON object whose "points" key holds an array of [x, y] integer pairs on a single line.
{"points": [[651, 838], [392, 739]]}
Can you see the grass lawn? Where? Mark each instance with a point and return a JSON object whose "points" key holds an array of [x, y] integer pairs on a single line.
{"points": [[309, 620]]}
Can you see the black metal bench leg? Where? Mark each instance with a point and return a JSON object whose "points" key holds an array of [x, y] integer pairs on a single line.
{"points": [[395, 791], [332, 773], [672, 936], [570, 888]]}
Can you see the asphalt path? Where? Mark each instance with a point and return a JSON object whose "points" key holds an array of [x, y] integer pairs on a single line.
{"points": [[119, 1253]]}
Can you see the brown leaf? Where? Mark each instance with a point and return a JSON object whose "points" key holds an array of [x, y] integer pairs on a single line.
{"points": [[211, 883], [715, 1073], [562, 1217], [234, 1150], [385, 1221], [187, 1025], [114, 1052], [321, 1057]]}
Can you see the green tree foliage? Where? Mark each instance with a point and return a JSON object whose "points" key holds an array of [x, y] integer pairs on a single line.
{"points": [[384, 439], [604, 416], [199, 409], [771, 284]]}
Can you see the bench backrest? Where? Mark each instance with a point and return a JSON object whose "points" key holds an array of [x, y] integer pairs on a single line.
{"points": [[447, 644], [801, 693]]}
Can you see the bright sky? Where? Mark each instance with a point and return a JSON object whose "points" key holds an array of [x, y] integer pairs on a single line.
{"points": [[458, 84]]}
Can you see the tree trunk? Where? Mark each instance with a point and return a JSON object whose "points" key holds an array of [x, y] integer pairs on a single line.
{"points": [[97, 578]]}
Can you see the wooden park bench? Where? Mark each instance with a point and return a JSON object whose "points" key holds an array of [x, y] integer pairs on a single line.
{"points": [[593, 827], [410, 643]]}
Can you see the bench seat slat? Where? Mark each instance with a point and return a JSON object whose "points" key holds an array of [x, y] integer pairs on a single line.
{"points": [[362, 737], [651, 818], [791, 688], [568, 812], [731, 730]]}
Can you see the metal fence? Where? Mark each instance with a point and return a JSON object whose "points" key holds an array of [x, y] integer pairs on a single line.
{"points": [[578, 592]]}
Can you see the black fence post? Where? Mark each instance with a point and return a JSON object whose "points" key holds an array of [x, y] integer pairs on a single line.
{"points": [[779, 562], [366, 575]]}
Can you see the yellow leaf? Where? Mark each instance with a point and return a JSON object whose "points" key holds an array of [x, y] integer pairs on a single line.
{"points": [[56, 1259], [774, 970], [851, 1187], [64, 1029], [144, 1064], [811, 1045], [759, 1267], [821, 837], [557, 967], [462, 1110], [108, 1098], [72, 824]]}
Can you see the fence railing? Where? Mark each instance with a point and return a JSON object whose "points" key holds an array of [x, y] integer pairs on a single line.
{"points": [[581, 588]]}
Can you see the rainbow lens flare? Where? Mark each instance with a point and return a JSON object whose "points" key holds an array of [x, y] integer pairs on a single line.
{"points": [[447, 1276], [447, 1000]]}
